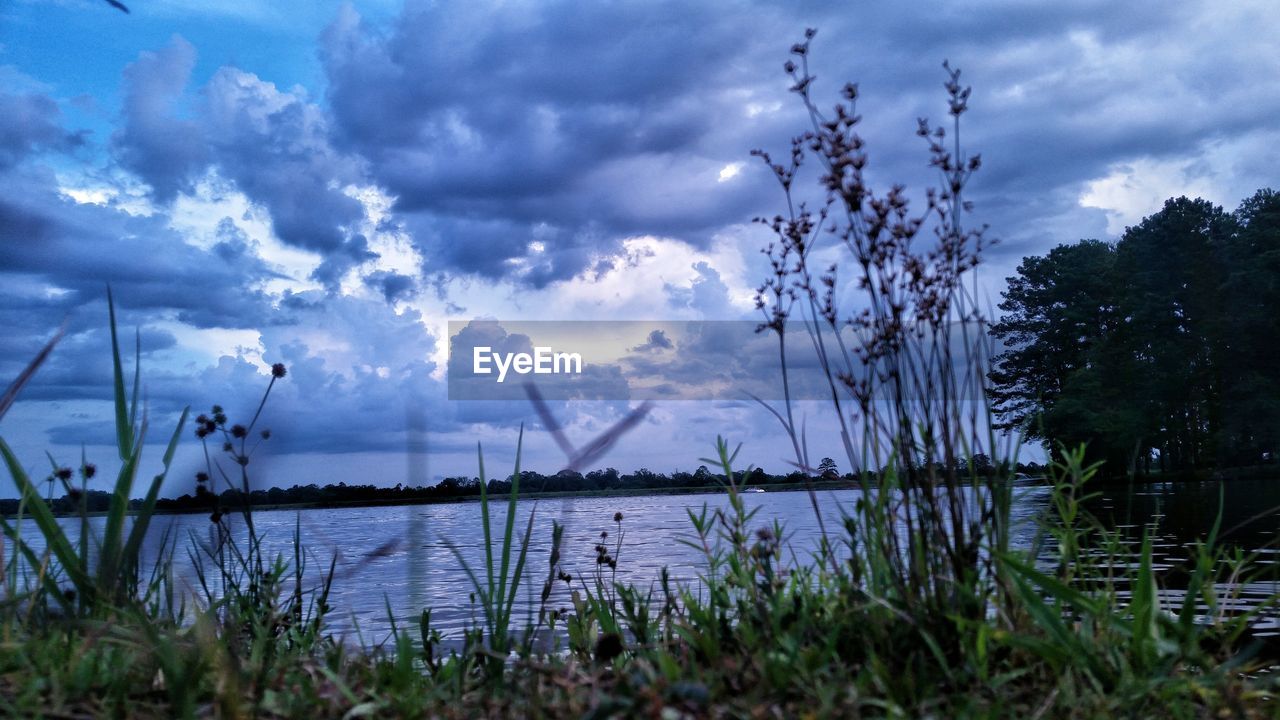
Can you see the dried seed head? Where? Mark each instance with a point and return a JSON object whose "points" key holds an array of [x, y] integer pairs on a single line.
{"points": [[608, 647]]}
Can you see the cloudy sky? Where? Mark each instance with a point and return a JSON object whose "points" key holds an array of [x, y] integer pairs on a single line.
{"points": [[328, 185]]}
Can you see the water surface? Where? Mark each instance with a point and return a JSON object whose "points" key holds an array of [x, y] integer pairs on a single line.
{"points": [[407, 558]]}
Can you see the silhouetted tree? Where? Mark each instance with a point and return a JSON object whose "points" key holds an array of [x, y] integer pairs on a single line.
{"points": [[827, 468], [1159, 347]]}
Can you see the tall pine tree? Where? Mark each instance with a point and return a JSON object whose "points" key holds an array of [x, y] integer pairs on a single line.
{"points": [[1161, 348]]}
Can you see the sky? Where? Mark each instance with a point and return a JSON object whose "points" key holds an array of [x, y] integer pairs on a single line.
{"points": [[328, 185]]}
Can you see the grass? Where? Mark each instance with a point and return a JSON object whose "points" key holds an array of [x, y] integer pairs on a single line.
{"points": [[914, 605], [761, 635]]}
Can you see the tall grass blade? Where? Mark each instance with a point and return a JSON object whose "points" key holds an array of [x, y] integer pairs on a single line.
{"points": [[22, 548], [112, 540], [11, 393], [55, 539], [137, 383], [487, 591], [142, 518], [509, 531], [124, 431]]}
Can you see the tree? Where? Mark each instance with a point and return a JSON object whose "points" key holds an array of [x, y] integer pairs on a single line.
{"points": [[1174, 265], [827, 468], [1159, 347], [1057, 308], [1251, 426]]}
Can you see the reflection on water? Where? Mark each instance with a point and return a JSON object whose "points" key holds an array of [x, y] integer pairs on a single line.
{"points": [[417, 567], [1180, 514]]}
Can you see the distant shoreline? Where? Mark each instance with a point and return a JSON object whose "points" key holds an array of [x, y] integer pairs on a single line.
{"points": [[1257, 472], [535, 495]]}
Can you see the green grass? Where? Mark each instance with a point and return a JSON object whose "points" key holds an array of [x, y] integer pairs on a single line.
{"points": [[760, 634]]}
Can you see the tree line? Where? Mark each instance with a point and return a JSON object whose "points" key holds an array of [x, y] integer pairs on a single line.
{"points": [[1157, 350], [827, 474], [449, 488]]}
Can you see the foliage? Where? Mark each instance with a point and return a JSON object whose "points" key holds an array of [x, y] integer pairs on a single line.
{"points": [[1156, 350], [608, 481], [117, 574]]}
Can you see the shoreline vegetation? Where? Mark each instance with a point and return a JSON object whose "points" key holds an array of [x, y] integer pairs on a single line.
{"points": [[315, 497], [913, 605]]}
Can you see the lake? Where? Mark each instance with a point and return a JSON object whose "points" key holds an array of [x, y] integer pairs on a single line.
{"points": [[1179, 514], [406, 557]]}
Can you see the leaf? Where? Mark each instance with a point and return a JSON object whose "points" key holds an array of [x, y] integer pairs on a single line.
{"points": [[124, 431], [27, 373], [142, 518], [55, 538]]}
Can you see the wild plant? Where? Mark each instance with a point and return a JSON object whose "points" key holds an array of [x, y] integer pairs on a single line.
{"points": [[1100, 618], [905, 366], [93, 575], [496, 590]]}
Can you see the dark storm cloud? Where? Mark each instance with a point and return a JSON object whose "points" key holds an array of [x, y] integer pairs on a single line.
{"points": [[29, 123], [80, 248], [162, 149], [496, 127], [80, 367], [393, 285], [564, 124], [657, 341], [273, 145], [57, 259]]}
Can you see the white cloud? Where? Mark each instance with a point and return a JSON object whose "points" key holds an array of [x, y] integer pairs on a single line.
{"points": [[1222, 171], [1131, 191], [393, 245], [196, 216], [730, 171]]}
